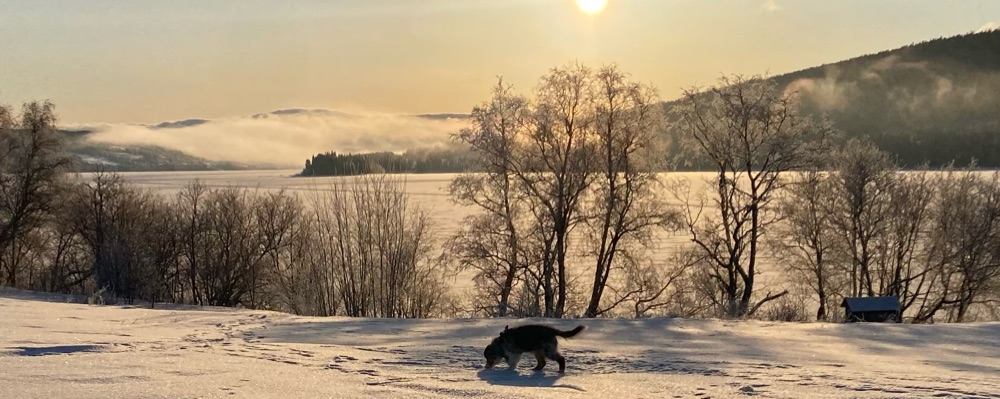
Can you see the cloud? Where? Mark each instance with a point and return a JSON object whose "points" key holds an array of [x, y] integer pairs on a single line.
{"points": [[829, 93], [770, 6], [287, 137], [989, 27], [924, 88]]}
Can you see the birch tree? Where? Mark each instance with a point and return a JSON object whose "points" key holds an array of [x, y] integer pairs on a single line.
{"points": [[751, 133]]}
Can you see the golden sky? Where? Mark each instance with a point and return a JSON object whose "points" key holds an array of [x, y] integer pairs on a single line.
{"points": [[150, 61]]}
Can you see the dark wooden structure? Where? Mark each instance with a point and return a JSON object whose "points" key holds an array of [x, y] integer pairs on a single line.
{"points": [[877, 309]]}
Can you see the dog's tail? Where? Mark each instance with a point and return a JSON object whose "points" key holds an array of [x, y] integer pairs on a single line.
{"points": [[571, 333]]}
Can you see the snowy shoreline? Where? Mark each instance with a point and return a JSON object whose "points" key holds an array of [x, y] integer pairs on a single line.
{"points": [[49, 348]]}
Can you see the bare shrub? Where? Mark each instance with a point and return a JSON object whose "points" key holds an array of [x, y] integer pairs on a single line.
{"points": [[805, 242], [129, 234], [785, 309], [378, 249]]}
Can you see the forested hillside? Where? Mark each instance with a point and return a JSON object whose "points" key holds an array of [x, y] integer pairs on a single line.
{"points": [[91, 156], [934, 101]]}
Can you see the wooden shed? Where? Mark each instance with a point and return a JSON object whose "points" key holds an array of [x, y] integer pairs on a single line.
{"points": [[875, 309]]}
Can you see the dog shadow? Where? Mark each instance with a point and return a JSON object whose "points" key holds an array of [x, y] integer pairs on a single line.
{"points": [[513, 378], [54, 350]]}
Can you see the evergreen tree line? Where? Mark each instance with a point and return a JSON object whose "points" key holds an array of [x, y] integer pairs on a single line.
{"points": [[430, 160]]}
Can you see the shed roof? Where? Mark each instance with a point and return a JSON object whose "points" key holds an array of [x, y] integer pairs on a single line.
{"points": [[871, 304]]}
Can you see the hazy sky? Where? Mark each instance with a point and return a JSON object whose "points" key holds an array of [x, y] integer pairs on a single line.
{"points": [[147, 61]]}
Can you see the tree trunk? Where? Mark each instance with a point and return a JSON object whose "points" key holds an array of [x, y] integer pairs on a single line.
{"points": [[748, 280], [561, 263], [508, 285], [821, 287]]}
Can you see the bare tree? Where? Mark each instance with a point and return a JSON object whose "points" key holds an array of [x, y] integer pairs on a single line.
{"points": [[751, 133], [902, 268], [556, 174], [31, 169], [233, 261], [805, 242], [130, 235], [233, 243], [652, 289], [627, 120], [378, 248], [582, 154], [965, 244], [68, 265], [480, 246], [537, 162], [190, 203], [862, 185], [276, 216], [23, 258], [158, 244], [493, 242], [296, 281]]}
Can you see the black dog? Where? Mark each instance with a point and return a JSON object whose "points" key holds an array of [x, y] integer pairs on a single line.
{"points": [[537, 339]]}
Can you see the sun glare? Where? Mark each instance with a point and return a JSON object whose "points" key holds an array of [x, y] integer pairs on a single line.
{"points": [[591, 6]]}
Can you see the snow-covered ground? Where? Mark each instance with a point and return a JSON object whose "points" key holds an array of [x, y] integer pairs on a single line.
{"points": [[53, 349]]}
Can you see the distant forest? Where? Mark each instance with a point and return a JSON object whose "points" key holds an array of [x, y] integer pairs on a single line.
{"points": [[436, 160], [932, 102]]}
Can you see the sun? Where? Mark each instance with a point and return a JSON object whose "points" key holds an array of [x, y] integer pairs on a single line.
{"points": [[592, 7]]}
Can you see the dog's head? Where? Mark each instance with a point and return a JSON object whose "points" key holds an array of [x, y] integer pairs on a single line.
{"points": [[493, 355]]}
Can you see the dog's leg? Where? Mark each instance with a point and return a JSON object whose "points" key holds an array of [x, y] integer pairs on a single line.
{"points": [[512, 361], [562, 363], [540, 358], [552, 352]]}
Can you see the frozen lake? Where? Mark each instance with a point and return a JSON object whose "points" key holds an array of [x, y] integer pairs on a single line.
{"points": [[429, 191]]}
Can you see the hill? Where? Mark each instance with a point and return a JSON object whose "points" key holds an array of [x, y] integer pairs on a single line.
{"points": [[186, 351], [90, 156], [934, 101]]}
